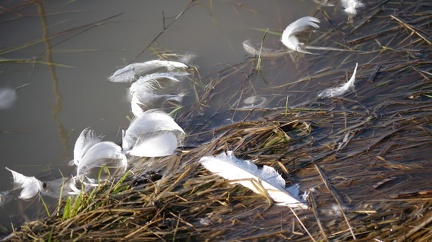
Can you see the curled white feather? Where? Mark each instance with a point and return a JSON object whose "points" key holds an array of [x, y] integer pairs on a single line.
{"points": [[152, 125], [84, 142], [103, 154], [288, 36]]}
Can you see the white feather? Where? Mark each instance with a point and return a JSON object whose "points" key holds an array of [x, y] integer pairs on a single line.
{"points": [[288, 36], [133, 71], [31, 186], [102, 154], [7, 97], [247, 174], [158, 145], [152, 81], [350, 6], [150, 124], [149, 100], [84, 142], [338, 91], [136, 107]]}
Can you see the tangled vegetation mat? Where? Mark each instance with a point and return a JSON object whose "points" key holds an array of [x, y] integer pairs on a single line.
{"points": [[363, 157]]}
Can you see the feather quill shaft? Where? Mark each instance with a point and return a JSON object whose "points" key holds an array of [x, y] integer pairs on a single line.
{"points": [[247, 174]]}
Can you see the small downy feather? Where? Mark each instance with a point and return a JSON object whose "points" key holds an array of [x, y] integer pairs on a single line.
{"points": [[249, 175], [132, 72], [151, 125], [350, 6], [288, 36], [31, 186], [338, 91]]}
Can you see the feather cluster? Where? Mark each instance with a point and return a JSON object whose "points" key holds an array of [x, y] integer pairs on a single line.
{"points": [[338, 91], [262, 181], [288, 36]]}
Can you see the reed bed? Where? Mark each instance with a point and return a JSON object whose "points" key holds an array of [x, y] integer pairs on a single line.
{"points": [[363, 157]]}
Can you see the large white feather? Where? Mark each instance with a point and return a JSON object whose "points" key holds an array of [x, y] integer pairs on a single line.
{"points": [[288, 36], [158, 145], [31, 186], [338, 91], [133, 71], [149, 124], [84, 142], [102, 154], [247, 174]]}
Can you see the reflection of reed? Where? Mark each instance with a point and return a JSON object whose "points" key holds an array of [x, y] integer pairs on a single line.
{"points": [[58, 104]]}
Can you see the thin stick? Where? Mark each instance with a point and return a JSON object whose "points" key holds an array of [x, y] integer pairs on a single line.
{"points": [[337, 200], [411, 28]]}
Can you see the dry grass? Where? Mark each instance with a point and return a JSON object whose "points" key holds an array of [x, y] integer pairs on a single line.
{"points": [[363, 157]]}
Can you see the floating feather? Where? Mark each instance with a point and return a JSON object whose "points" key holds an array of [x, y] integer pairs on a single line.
{"points": [[31, 186], [338, 91], [350, 6], [288, 36], [255, 102], [85, 141], [103, 154], [247, 174], [149, 100], [152, 125], [133, 71], [152, 81]]}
